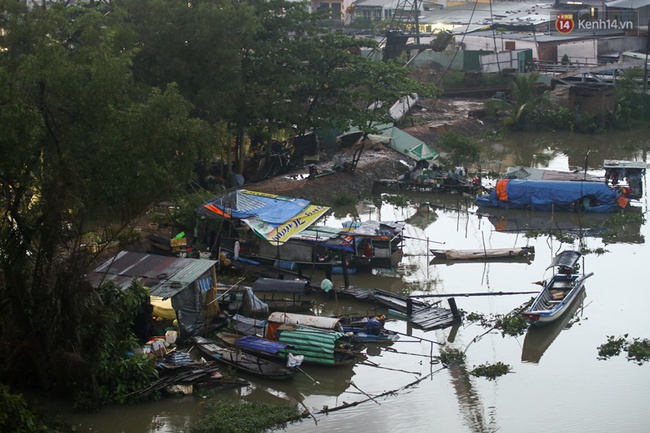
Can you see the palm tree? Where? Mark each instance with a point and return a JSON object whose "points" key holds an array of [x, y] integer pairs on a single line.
{"points": [[524, 99]]}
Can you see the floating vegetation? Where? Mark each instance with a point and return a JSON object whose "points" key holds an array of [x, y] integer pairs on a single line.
{"points": [[618, 220], [398, 200], [449, 355], [598, 251], [637, 349], [234, 416], [562, 237], [509, 324], [491, 371], [512, 325]]}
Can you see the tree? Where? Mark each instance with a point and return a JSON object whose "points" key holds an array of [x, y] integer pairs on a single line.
{"points": [[83, 143], [459, 150], [263, 67], [523, 101]]}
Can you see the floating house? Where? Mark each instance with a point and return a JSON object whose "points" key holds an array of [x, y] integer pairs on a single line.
{"points": [[190, 285], [548, 196]]}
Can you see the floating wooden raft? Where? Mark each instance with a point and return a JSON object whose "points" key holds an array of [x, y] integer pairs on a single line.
{"points": [[423, 315]]}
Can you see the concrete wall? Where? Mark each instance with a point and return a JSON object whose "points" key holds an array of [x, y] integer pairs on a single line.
{"points": [[581, 52], [488, 44], [444, 58], [592, 99]]}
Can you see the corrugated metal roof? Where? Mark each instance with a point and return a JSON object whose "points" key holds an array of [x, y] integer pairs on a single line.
{"points": [[628, 4], [165, 276]]}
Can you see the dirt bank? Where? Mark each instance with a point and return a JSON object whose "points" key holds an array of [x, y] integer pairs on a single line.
{"points": [[428, 120], [378, 162]]}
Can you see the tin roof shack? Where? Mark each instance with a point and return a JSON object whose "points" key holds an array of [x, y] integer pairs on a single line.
{"points": [[190, 283], [592, 98]]}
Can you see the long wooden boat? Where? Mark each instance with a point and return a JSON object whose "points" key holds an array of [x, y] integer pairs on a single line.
{"points": [[539, 338], [485, 254], [244, 362], [317, 346], [368, 329], [559, 291]]}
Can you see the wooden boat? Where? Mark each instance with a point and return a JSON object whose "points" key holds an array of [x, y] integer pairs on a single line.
{"points": [[485, 254], [317, 346], [559, 292], [368, 329], [539, 338], [553, 195], [244, 362]]}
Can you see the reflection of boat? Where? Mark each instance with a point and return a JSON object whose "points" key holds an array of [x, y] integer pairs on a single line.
{"points": [[553, 195], [560, 291], [538, 339], [244, 362], [485, 254], [583, 224]]}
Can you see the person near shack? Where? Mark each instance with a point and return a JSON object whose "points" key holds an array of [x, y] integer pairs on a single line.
{"points": [[143, 324], [326, 285]]}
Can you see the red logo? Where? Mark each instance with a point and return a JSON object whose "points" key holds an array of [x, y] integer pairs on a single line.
{"points": [[564, 23]]}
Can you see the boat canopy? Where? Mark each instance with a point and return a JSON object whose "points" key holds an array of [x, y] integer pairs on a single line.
{"points": [[272, 217], [305, 319], [260, 344], [566, 259], [547, 195], [316, 345]]}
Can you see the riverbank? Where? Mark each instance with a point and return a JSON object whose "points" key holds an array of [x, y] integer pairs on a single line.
{"points": [[432, 118]]}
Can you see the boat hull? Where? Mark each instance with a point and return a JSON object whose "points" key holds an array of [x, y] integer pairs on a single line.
{"points": [[545, 309]]}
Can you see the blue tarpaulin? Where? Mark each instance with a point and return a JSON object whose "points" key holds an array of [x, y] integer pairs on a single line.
{"points": [[553, 196], [262, 344]]}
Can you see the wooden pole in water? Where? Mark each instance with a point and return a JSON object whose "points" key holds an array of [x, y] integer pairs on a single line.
{"points": [[454, 310], [344, 266]]}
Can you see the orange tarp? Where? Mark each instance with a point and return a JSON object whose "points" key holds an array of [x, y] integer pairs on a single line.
{"points": [[501, 189]]}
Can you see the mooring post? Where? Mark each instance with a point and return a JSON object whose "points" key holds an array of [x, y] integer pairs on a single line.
{"points": [[344, 266], [454, 309]]}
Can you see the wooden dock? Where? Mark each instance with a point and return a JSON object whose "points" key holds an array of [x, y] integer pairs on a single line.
{"points": [[421, 314]]}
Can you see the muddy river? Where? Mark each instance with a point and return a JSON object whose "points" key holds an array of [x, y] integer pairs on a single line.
{"points": [[557, 382]]}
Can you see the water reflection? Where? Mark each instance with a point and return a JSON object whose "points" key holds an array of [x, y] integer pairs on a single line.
{"points": [[469, 400], [580, 224], [538, 339]]}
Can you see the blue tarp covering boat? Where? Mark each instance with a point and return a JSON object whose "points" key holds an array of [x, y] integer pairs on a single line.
{"points": [[546, 195]]}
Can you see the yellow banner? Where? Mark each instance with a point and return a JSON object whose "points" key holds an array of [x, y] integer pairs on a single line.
{"points": [[295, 225]]}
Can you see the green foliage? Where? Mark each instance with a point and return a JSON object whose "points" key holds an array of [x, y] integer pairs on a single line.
{"points": [[115, 373], [17, 416], [613, 347], [453, 80], [459, 150], [236, 416], [182, 216], [508, 324], [397, 200], [344, 199], [622, 219], [491, 371], [638, 350], [565, 238], [449, 355], [495, 135], [512, 325]]}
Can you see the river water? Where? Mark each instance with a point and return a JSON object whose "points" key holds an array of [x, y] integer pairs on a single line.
{"points": [[556, 384]]}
